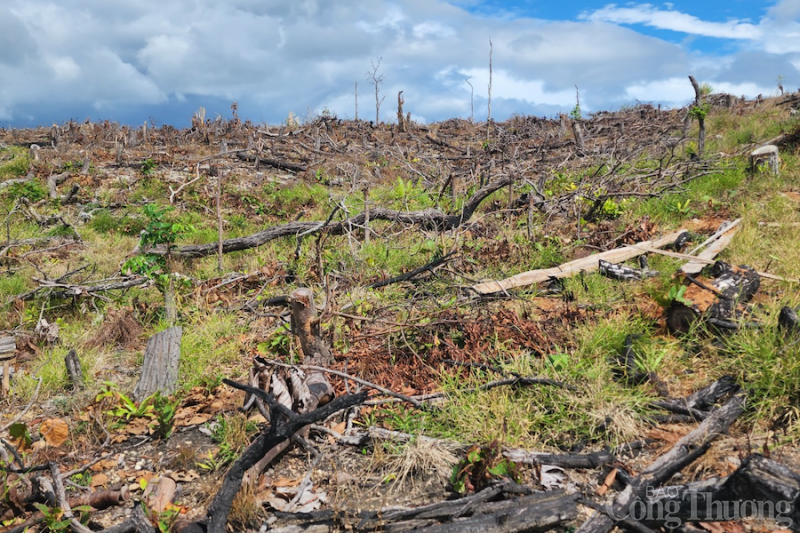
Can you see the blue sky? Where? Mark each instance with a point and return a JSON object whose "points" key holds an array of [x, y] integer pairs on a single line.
{"points": [[137, 60]]}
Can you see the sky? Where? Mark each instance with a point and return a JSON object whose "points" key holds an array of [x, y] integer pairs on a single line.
{"points": [[133, 61]]}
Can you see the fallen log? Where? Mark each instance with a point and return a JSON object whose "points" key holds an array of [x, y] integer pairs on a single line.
{"points": [[683, 453], [429, 219], [276, 163], [585, 264], [502, 508], [760, 488], [717, 302]]}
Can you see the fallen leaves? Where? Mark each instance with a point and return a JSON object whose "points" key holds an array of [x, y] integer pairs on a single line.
{"points": [[54, 431]]}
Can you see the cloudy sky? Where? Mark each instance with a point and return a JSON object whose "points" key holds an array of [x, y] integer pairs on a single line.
{"points": [[137, 60]]}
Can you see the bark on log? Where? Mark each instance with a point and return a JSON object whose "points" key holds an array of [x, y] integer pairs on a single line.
{"points": [[717, 301], [282, 165], [429, 219], [517, 510], [160, 366], [623, 273]]}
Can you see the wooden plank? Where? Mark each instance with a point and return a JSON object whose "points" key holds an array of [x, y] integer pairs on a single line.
{"points": [[713, 250], [587, 264]]}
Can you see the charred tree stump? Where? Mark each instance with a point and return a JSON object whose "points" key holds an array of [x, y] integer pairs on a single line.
{"points": [[315, 350], [788, 321], [160, 367], [717, 302], [301, 391]]}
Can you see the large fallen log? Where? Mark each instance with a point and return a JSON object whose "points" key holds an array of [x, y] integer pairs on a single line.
{"points": [[429, 219], [585, 264], [760, 487], [502, 508], [685, 451]]}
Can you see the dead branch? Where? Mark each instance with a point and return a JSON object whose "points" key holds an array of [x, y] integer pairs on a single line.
{"points": [[284, 424], [430, 219]]}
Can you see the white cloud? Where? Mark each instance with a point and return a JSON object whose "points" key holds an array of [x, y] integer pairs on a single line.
{"points": [[675, 20], [274, 56]]}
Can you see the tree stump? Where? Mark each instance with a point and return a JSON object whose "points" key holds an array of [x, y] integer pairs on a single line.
{"points": [[74, 372], [160, 367], [8, 347], [767, 153], [315, 351]]}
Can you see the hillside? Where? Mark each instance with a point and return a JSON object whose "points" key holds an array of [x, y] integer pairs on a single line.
{"points": [[112, 235]]}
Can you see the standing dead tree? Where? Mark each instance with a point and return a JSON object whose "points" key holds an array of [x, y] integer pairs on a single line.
{"points": [[401, 122], [375, 77], [471, 99], [489, 117], [699, 111]]}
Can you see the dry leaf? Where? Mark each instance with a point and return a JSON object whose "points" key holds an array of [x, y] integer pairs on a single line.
{"points": [[103, 465], [98, 480], [55, 431], [286, 482]]}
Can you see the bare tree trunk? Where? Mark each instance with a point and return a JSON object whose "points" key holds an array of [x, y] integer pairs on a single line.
{"points": [[400, 117], [489, 117], [219, 222], [356, 102], [701, 119]]}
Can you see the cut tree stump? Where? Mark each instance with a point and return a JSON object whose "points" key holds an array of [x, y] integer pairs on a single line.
{"points": [[767, 153], [8, 348], [717, 301], [160, 367]]}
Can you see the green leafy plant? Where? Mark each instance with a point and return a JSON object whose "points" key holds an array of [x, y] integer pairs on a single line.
{"points": [[148, 166], [20, 433], [123, 407], [699, 112], [30, 190], [480, 466], [676, 293], [159, 231], [576, 112], [164, 410], [55, 521]]}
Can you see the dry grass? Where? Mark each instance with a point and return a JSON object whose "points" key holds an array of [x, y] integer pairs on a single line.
{"points": [[119, 329], [420, 461]]}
